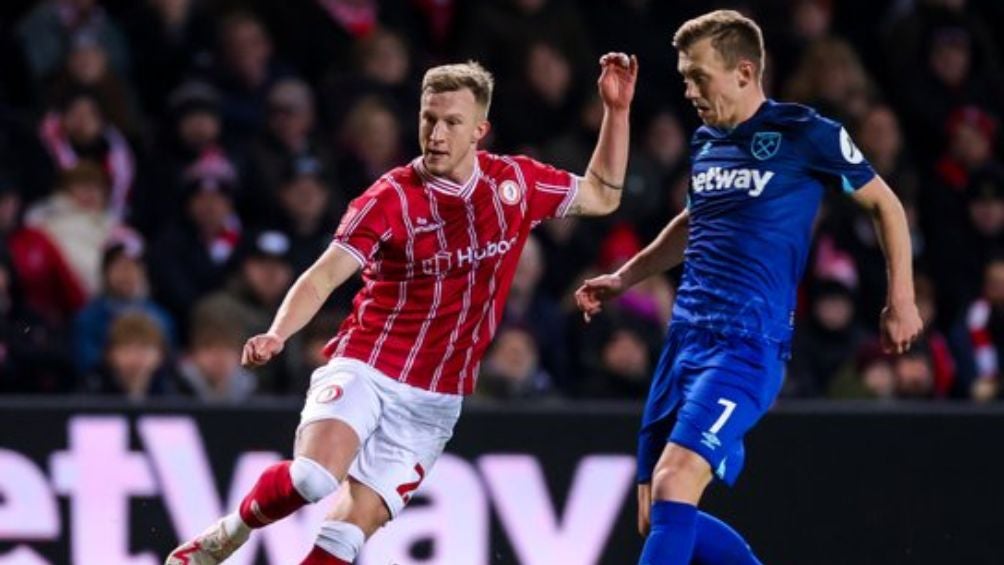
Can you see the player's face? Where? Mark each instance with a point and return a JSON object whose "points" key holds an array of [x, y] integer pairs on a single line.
{"points": [[450, 125], [713, 89]]}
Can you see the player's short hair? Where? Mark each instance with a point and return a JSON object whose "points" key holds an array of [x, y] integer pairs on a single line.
{"points": [[470, 75], [733, 35]]}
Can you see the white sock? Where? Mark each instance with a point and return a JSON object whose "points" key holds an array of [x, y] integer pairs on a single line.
{"points": [[341, 539], [233, 524]]}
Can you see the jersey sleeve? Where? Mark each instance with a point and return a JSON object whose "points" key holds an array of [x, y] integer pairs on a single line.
{"points": [[833, 153], [549, 190], [365, 225]]}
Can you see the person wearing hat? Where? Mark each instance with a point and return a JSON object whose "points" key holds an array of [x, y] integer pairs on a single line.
{"points": [[125, 288], [195, 130], [195, 254], [307, 205], [254, 292]]}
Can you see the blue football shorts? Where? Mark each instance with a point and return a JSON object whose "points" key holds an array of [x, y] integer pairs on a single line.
{"points": [[708, 390]]}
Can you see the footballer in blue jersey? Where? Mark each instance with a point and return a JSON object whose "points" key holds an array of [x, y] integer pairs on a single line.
{"points": [[759, 169]]}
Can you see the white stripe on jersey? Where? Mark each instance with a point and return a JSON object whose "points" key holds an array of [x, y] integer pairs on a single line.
{"points": [[409, 251], [437, 291], [471, 278], [488, 305]]}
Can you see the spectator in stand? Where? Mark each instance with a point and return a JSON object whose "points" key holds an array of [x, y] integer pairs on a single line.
{"points": [[970, 218], [870, 376], [87, 67], [308, 208], [382, 67], [211, 367], [511, 369], [135, 360], [253, 295], [823, 343], [626, 360], [194, 256], [194, 131], [538, 314], [76, 222], [541, 102], [124, 289], [290, 135], [371, 144], [832, 79], [500, 34], [246, 72], [950, 79], [804, 24], [985, 324], [34, 357], [79, 131], [46, 32], [170, 39]]}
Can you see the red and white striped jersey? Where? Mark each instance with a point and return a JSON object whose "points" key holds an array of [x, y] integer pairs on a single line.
{"points": [[438, 258]]}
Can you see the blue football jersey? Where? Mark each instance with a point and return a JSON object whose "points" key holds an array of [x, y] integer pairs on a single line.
{"points": [[754, 193]]}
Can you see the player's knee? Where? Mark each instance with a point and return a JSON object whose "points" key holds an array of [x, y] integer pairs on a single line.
{"points": [[311, 479], [681, 475]]}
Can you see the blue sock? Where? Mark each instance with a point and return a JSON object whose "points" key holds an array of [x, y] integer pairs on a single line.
{"points": [[717, 543], [671, 538]]}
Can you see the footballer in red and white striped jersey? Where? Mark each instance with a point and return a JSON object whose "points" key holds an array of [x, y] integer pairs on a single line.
{"points": [[438, 258]]}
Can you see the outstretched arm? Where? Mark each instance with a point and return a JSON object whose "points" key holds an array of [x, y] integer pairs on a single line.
{"points": [[301, 303], [664, 253], [602, 183], [901, 323]]}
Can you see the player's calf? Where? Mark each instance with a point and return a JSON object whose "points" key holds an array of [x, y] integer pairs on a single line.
{"points": [[283, 489]]}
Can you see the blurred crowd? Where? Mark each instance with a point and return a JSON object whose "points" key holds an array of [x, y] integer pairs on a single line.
{"points": [[168, 167]]}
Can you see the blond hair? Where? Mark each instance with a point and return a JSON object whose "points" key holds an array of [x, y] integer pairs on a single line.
{"points": [[733, 36], [470, 75]]}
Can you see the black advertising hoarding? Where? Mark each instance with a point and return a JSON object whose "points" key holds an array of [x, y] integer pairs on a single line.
{"points": [[847, 485]]}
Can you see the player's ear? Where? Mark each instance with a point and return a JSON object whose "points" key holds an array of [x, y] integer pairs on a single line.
{"points": [[747, 72], [480, 131]]}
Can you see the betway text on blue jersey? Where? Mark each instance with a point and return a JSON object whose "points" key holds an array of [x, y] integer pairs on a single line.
{"points": [[753, 195]]}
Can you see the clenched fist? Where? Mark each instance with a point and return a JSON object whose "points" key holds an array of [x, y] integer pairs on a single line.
{"points": [[260, 348]]}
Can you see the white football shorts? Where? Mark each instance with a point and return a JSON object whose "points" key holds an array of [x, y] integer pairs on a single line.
{"points": [[402, 429]]}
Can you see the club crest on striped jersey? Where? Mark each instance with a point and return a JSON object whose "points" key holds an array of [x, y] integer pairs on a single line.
{"points": [[509, 192]]}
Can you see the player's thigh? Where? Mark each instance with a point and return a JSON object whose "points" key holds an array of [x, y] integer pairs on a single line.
{"points": [[332, 443], [360, 505], [340, 412], [415, 426]]}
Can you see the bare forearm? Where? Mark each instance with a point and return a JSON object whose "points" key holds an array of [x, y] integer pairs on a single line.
{"points": [[302, 302], [610, 156], [664, 253], [608, 165], [894, 236], [311, 290]]}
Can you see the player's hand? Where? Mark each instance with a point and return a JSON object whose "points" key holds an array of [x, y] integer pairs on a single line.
{"points": [[260, 348], [900, 327], [617, 79], [591, 295]]}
